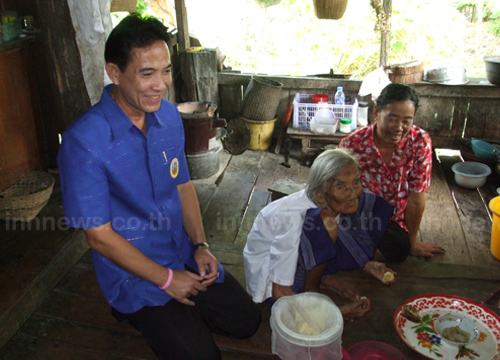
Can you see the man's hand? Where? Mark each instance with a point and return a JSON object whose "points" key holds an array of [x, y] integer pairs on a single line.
{"points": [[425, 249], [207, 265], [377, 270], [355, 310], [184, 285]]}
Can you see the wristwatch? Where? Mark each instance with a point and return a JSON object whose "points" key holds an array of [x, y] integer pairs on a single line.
{"points": [[200, 245]]}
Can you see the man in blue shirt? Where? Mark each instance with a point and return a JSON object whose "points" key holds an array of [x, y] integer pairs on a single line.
{"points": [[125, 182]]}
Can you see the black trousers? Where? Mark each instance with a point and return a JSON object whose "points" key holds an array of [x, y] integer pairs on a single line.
{"points": [[180, 332], [395, 244]]}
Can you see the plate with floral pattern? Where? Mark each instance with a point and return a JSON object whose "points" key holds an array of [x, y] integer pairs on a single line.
{"points": [[424, 339]]}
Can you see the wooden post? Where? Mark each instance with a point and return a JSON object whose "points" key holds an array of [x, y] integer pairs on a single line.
{"points": [[385, 35], [199, 75], [182, 26]]}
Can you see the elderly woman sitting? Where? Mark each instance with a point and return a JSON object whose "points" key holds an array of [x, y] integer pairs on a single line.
{"points": [[299, 241]]}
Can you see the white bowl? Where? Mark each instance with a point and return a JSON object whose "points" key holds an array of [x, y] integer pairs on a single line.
{"points": [[467, 329], [470, 174]]}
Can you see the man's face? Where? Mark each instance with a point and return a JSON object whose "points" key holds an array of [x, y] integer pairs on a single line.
{"points": [[394, 121], [142, 84], [343, 192]]}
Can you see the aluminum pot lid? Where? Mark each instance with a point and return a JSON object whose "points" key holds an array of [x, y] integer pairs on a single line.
{"points": [[237, 136], [463, 80], [446, 73]]}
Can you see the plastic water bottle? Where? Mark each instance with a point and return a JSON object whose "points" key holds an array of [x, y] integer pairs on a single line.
{"points": [[340, 96]]}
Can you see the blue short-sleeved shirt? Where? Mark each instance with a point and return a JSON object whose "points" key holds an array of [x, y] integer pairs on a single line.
{"points": [[111, 172]]}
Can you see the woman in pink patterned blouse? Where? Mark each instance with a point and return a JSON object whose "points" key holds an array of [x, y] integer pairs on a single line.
{"points": [[395, 159]]}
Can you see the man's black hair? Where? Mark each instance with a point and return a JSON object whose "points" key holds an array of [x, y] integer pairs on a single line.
{"points": [[134, 31]]}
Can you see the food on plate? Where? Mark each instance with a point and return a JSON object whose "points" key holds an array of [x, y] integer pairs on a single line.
{"points": [[455, 334], [388, 277], [411, 313]]}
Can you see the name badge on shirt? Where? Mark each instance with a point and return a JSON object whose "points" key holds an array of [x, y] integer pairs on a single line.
{"points": [[174, 168]]}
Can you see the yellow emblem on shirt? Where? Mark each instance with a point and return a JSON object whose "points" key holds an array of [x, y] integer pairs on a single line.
{"points": [[174, 168]]}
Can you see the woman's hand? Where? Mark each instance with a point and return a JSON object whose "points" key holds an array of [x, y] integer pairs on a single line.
{"points": [[425, 249], [378, 270], [355, 309]]}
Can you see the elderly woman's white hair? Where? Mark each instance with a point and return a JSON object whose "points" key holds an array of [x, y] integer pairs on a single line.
{"points": [[326, 167]]}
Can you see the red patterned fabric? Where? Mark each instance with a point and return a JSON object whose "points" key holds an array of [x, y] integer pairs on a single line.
{"points": [[409, 170]]}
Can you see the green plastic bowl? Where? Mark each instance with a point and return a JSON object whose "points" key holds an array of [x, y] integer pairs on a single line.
{"points": [[484, 149]]}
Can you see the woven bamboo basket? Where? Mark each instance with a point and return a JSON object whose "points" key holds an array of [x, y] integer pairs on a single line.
{"points": [[24, 200], [329, 9], [123, 5], [261, 99], [408, 72]]}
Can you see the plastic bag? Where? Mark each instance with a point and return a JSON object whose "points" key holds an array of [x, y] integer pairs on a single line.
{"points": [[374, 83]]}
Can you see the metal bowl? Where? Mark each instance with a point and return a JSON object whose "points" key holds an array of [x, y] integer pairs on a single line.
{"points": [[446, 74], [492, 64]]}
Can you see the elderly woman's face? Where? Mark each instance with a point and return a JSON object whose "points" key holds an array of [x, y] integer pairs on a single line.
{"points": [[343, 192]]}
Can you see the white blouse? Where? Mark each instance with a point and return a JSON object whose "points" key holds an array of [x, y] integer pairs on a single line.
{"points": [[271, 251]]}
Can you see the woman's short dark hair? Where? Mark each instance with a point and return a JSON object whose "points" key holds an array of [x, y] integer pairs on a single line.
{"points": [[134, 31], [396, 92]]}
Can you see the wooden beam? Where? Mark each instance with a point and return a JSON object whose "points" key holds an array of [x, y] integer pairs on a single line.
{"points": [[385, 35], [182, 25]]}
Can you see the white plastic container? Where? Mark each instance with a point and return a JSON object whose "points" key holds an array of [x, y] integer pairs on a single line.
{"points": [[287, 317], [470, 174], [324, 123], [304, 109], [362, 113], [345, 125]]}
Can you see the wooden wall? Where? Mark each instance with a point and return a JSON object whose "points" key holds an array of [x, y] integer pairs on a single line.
{"points": [[20, 148], [471, 110], [57, 68]]}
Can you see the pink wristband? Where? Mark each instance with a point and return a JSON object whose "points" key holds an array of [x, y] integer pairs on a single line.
{"points": [[169, 280]]}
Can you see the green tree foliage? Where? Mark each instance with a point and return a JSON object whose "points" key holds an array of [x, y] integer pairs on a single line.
{"points": [[288, 39]]}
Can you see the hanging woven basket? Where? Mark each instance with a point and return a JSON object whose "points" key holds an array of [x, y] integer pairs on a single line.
{"points": [[123, 5], [267, 3], [330, 9]]}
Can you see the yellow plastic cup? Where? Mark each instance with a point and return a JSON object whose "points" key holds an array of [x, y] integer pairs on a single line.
{"points": [[494, 206]]}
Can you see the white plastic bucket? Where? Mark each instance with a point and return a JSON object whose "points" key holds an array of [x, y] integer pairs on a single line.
{"points": [[288, 315]]}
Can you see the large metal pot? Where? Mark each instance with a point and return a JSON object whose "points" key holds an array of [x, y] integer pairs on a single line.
{"points": [[492, 64], [200, 125]]}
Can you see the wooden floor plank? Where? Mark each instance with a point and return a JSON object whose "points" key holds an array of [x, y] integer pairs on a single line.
{"points": [[23, 346], [440, 223], [474, 217], [104, 341], [225, 211], [206, 188], [260, 197], [37, 256], [74, 322]]}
